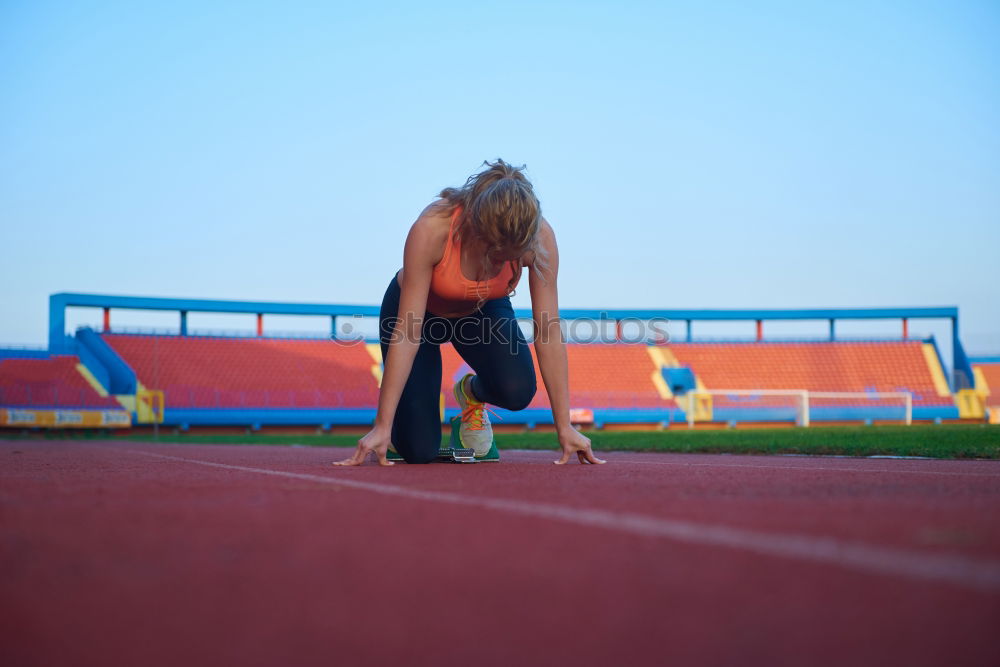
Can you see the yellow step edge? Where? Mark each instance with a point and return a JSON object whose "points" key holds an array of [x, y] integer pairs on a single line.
{"points": [[375, 352], [703, 404], [89, 377], [982, 386], [937, 373], [671, 359], [659, 361], [970, 404], [142, 412], [128, 401]]}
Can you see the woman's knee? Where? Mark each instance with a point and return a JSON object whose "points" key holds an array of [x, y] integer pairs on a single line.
{"points": [[512, 393]]}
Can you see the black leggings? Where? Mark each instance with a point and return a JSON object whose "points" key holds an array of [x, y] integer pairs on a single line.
{"points": [[489, 340]]}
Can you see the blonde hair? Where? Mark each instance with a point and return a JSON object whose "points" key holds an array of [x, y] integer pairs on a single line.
{"points": [[499, 207]]}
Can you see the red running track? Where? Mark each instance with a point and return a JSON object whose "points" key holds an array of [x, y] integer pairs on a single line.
{"points": [[143, 554]]}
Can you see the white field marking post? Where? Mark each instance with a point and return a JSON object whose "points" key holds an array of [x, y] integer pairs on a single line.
{"points": [[692, 405], [803, 398]]}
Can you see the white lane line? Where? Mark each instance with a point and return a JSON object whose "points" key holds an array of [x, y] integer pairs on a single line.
{"points": [[611, 457], [811, 468], [977, 574]]}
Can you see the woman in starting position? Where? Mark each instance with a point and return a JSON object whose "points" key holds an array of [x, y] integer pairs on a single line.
{"points": [[462, 259]]}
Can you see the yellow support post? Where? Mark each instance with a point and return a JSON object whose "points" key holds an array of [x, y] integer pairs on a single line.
{"points": [[149, 406]]}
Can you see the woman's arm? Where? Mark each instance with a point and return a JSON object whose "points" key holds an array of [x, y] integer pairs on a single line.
{"points": [[551, 349], [423, 250], [405, 340]]}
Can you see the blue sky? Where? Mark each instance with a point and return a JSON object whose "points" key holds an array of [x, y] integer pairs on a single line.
{"points": [[729, 154]]}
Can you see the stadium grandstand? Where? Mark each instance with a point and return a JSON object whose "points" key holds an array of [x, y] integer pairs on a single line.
{"points": [[185, 380]]}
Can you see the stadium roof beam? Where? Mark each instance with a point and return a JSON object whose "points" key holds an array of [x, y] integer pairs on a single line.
{"points": [[58, 303]]}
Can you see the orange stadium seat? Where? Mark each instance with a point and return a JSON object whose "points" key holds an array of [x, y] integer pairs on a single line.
{"points": [[195, 371], [601, 375], [48, 383], [204, 372], [889, 366], [990, 373]]}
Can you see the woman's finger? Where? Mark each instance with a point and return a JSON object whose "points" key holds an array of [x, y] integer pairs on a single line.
{"points": [[356, 459], [588, 457], [345, 462], [564, 459], [353, 461], [382, 460]]}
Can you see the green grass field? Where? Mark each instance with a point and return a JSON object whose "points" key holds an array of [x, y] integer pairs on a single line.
{"points": [[946, 441]]}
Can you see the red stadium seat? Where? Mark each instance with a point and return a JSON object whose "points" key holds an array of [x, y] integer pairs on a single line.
{"points": [[202, 372], [48, 383], [601, 375], [990, 373], [196, 371], [834, 367]]}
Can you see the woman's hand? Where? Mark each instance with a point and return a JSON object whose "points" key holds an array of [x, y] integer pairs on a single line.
{"points": [[376, 440], [571, 441]]}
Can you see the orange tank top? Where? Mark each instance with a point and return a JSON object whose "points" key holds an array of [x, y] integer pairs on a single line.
{"points": [[451, 291]]}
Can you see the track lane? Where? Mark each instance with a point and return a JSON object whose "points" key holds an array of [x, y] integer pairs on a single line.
{"points": [[121, 554]]}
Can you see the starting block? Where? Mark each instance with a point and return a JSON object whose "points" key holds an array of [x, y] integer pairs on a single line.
{"points": [[455, 452], [453, 455]]}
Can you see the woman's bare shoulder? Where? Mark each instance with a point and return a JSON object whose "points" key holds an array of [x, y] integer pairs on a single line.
{"points": [[545, 230], [435, 216], [440, 206], [429, 232], [546, 243]]}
